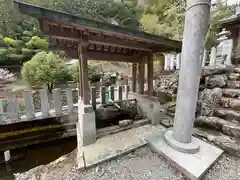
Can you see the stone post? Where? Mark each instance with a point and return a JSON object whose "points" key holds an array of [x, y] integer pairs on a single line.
{"points": [[44, 102], [120, 92], [94, 97], [111, 90], [2, 114], [7, 156], [69, 100], [28, 102], [103, 94], [126, 92], [134, 77], [12, 107], [172, 61], [196, 23], [150, 75], [141, 73], [57, 102], [204, 57], [166, 62], [213, 56], [178, 61]]}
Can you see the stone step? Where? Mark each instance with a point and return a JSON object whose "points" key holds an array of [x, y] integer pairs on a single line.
{"points": [[230, 103], [225, 127], [236, 70], [234, 76], [228, 92], [227, 114], [233, 84], [230, 145]]}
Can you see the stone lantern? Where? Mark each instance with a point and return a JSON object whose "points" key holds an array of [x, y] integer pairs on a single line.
{"points": [[224, 49]]}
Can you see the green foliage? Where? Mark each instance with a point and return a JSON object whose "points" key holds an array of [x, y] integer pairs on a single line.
{"points": [[165, 17], [218, 12], [93, 76], [125, 13], [45, 69]]}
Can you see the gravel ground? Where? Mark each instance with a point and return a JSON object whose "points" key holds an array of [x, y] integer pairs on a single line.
{"points": [[227, 168], [140, 165]]}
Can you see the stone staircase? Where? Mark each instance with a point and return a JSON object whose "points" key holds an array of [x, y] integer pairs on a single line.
{"points": [[223, 127], [220, 123]]}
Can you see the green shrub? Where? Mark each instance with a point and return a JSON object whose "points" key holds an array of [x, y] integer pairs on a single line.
{"points": [[45, 69], [93, 76]]}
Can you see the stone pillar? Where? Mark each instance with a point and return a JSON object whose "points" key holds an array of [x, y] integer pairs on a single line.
{"points": [[7, 156], [28, 103], [69, 96], [213, 56], [204, 58], [141, 72], [180, 138], [172, 61], [134, 77], [44, 102], [178, 61], [166, 62], [150, 75]]}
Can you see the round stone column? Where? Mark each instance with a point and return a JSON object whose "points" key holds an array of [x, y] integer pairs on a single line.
{"points": [[196, 24]]}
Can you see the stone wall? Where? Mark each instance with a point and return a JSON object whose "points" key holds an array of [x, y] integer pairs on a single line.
{"points": [[212, 78]]}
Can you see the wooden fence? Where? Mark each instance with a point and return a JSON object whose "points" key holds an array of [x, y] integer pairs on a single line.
{"points": [[11, 113]]}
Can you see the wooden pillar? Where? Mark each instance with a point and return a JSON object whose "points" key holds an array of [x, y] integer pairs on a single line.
{"points": [[150, 75], [83, 74], [80, 91], [141, 72], [79, 84], [134, 76], [85, 84]]}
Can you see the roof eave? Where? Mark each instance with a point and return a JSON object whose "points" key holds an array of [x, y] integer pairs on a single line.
{"points": [[38, 12]]}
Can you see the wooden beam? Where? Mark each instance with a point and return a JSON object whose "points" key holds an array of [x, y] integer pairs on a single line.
{"points": [[111, 57], [75, 35]]}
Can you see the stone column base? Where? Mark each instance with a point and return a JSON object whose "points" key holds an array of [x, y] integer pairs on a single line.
{"points": [[86, 125], [189, 148]]}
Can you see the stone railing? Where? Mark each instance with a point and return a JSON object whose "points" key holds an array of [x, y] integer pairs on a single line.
{"points": [[172, 61], [27, 106]]}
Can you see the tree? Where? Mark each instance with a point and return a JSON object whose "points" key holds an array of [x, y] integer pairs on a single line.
{"points": [[166, 17], [219, 11], [125, 13], [22, 45], [93, 76], [45, 69]]}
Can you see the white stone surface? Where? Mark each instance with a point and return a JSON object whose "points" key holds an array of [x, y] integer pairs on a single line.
{"points": [[86, 125], [178, 61], [112, 146], [194, 166], [69, 99], [44, 102], [204, 57], [12, 107], [7, 156], [57, 102], [213, 56], [29, 107], [172, 61]]}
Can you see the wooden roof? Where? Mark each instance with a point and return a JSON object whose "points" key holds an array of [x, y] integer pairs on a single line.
{"points": [[103, 41], [231, 22]]}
